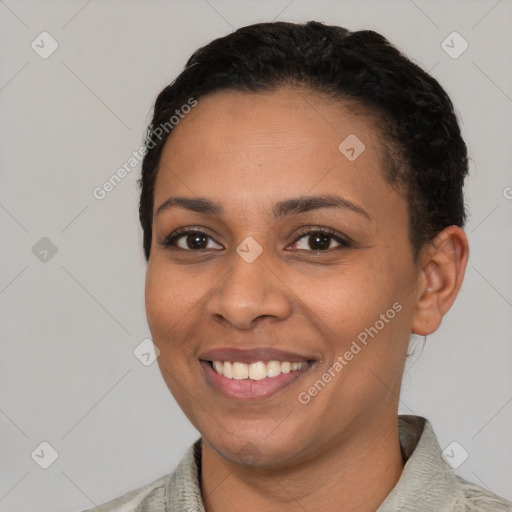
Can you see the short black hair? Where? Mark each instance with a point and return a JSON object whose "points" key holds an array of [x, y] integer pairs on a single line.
{"points": [[425, 155]]}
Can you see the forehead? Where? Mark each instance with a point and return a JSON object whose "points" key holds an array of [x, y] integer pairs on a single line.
{"points": [[253, 147]]}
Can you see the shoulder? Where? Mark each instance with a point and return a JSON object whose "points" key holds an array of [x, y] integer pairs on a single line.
{"points": [[474, 498], [179, 489], [429, 483], [150, 497]]}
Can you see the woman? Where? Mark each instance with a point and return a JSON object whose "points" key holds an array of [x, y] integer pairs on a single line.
{"points": [[302, 208]]}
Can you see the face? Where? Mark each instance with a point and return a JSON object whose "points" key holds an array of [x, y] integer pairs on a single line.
{"points": [[272, 244]]}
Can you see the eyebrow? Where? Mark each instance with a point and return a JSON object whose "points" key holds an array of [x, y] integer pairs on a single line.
{"points": [[281, 209]]}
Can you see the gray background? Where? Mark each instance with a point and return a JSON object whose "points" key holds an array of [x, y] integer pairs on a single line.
{"points": [[69, 325]]}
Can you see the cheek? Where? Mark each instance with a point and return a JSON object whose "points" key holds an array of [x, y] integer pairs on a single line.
{"points": [[363, 302], [169, 304], [347, 299], [168, 298], [158, 298], [175, 297]]}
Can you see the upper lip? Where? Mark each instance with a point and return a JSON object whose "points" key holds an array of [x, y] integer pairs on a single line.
{"points": [[252, 355]]}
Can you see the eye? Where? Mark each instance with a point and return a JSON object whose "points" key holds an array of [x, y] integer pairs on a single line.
{"points": [[320, 240], [317, 240], [192, 240]]}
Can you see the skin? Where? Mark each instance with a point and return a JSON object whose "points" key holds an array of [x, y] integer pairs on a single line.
{"points": [[247, 152]]}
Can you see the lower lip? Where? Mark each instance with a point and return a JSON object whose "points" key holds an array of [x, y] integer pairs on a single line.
{"points": [[248, 389]]}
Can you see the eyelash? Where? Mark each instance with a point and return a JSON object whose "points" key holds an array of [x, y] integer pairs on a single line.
{"points": [[345, 243]]}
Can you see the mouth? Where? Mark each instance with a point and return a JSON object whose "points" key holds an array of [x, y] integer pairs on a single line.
{"points": [[252, 374], [255, 371]]}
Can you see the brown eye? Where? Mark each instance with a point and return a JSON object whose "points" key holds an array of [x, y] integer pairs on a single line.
{"points": [[320, 240], [195, 241], [191, 241]]}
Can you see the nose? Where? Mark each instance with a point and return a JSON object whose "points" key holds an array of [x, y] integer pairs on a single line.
{"points": [[248, 293]]}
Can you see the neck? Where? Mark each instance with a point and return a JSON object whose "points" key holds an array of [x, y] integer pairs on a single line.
{"points": [[354, 475]]}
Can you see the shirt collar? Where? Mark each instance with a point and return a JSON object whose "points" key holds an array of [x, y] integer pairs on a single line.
{"points": [[427, 481]]}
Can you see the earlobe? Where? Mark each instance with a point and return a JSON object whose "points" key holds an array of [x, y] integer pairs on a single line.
{"points": [[443, 263]]}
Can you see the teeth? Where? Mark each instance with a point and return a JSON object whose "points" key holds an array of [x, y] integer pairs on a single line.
{"points": [[219, 367], [227, 370], [257, 371], [273, 368], [240, 371], [254, 371]]}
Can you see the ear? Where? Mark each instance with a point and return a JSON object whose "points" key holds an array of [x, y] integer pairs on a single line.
{"points": [[442, 266]]}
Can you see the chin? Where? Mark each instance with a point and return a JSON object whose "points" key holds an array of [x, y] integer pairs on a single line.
{"points": [[258, 448]]}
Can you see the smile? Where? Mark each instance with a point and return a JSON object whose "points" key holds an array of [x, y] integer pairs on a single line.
{"points": [[252, 381], [255, 371]]}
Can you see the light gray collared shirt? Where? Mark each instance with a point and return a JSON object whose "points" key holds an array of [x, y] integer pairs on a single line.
{"points": [[427, 484]]}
